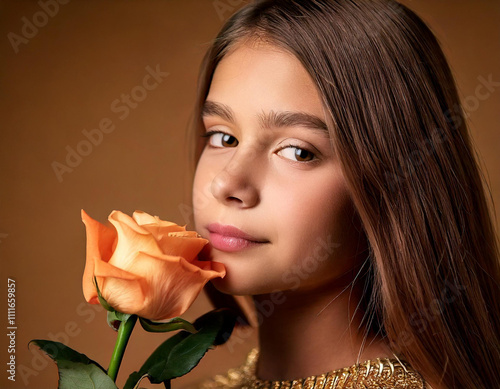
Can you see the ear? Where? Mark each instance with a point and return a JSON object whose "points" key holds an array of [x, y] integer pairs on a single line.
{"points": [[243, 306]]}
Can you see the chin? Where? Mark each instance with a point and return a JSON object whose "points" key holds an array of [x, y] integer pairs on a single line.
{"points": [[228, 286], [239, 287]]}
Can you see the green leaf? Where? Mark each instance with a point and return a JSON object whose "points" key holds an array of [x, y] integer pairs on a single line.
{"points": [[75, 370], [179, 354], [184, 356], [214, 328], [160, 354], [172, 325], [225, 317]]}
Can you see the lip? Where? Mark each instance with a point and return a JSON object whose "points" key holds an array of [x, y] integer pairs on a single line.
{"points": [[229, 238]]}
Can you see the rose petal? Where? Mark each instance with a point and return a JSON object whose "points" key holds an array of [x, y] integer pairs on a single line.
{"points": [[132, 238], [100, 242], [173, 284], [217, 267], [185, 247], [159, 232], [155, 225], [142, 218], [122, 290], [125, 219], [185, 234]]}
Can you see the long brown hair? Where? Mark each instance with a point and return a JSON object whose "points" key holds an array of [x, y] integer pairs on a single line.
{"points": [[398, 129]]}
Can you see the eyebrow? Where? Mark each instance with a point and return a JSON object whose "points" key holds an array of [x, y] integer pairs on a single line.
{"points": [[267, 120]]}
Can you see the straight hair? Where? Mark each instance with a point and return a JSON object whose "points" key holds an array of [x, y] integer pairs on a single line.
{"points": [[397, 127]]}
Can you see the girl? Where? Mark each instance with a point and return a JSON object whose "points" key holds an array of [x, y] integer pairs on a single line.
{"points": [[337, 183]]}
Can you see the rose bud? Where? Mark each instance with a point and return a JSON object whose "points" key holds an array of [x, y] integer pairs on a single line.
{"points": [[145, 266]]}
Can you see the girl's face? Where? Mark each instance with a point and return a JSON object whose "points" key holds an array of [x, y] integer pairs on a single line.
{"points": [[268, 169]]}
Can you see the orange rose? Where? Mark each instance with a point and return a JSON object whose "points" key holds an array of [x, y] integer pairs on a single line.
{"points": [[144, 265]]}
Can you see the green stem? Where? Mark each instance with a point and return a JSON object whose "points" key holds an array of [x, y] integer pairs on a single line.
{"points": [[124, 333]]}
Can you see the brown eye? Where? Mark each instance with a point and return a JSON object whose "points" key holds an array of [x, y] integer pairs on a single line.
{"points": [[296, 154], [229, 140], [303, 155], [221, 139]]}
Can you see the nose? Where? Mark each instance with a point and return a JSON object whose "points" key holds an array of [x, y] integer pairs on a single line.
{"points": [[235, 185]]}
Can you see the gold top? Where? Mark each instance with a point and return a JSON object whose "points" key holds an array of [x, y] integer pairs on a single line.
{"points": [[386, 373]]}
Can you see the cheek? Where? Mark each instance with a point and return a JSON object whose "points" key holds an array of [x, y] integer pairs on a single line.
{"points": [[314, 206], [201, 188], [335, 225], [316, 222]]}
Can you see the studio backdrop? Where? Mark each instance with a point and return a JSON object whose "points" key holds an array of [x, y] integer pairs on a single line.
{"points": [[95, 100]]}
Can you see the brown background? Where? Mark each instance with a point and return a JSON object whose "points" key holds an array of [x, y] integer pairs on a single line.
{"points": [[64, 79]]}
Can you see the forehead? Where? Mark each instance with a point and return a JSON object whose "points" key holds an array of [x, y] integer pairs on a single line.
{"points": [[263, 77]]}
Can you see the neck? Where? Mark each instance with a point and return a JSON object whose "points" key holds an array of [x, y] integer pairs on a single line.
{"points": [[313, 332]]}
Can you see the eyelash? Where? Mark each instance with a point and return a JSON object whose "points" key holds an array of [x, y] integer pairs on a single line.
{"points": [[314, 159]]}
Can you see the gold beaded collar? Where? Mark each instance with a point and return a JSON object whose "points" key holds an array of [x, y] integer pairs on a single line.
{"points": [[387, 373]]}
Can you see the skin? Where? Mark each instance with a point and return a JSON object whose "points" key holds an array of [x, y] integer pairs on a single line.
{"points": [[283, 185]]}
